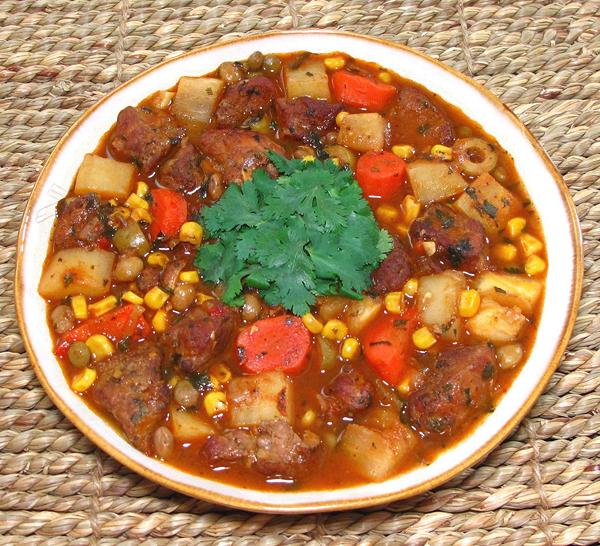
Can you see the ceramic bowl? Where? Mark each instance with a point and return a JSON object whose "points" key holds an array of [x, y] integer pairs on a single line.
{"points": [[543, 183]]}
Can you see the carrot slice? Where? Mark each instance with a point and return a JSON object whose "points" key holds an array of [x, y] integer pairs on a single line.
{"points": [[279, 343], [169, 212], [381, 175], [361, 92]]}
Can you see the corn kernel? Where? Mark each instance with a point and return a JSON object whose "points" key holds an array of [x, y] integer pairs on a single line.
{"points": [[335, 161], [385, 77], [216, 385], [201, 297], [468, 304], [142, 189], [308, 418], [191, 232], [174, 380], [340, 117], [404, 387], [263, 125], [334, 329], [534, 265], [411, 209], [141, 215], [403, 151], [429, 247], [387, 213], [132, 297], [100, 346], [190, 277], [83, 380], [505, 252], [113, 202], [411, 286], [313, 325], [157, 258], [79, 306], [103, 306], [515, 226], [155, 298], [441, 152], [221, 373], [134, 201], [308, 158], [530, 244], [423, 338], [160, 321], [124, 212], [334, 63], [350, 348], [215, 402], [394, 302]]}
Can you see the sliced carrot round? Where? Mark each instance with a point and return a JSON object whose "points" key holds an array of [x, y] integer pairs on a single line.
{"points": [[381, 175]]}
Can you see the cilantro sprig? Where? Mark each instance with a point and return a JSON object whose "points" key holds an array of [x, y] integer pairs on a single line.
{"points": [[310, 232]]}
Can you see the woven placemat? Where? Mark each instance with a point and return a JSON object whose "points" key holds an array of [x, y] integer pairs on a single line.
{"points": [[542, 486]]}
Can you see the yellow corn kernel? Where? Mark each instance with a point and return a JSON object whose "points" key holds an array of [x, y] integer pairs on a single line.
{"points": [[429, 247], [335, 161], [350, 348], [141, 215], [216, 385], [83, 380], [263, 125], [201, 297], [505, 252], [191, 232], [142, 189], [190, 277], [534, 265], [468, 304], [132, 297], [79, 306], [308, 158], [334, 63], [423, 338], [515, 226], [160, 321], [157, 258], [155, 298], [308, 418], [394, 302], [100, 346], [334, 329], [529, 244], [387, 213], [403, 151], [313, 324], [124, 212], [103, 306], [221, 373], [113, 202], [411, 286], [411, 209], [340, 117], [385, 77], [405, 385], [441, 152], [134, 201], [215, 402], [174, 380]]}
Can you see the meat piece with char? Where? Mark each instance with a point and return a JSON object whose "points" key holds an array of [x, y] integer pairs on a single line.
{"points": [[81, 221], [131, 387], [394, 271], [347, 393], [244, 100], [304, 118], [182, 171]]}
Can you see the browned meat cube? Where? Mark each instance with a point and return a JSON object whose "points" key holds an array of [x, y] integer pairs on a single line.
{"points": [[231, 446], [347, 393], [131, 387], [144, 136], [304, 118], [245, 100], [182, 171], [81, 221], [394, 271]]}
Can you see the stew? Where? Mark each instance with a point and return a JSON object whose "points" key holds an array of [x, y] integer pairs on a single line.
{"points": [[296, 271]]}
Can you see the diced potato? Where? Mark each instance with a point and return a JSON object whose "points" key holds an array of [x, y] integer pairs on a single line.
{"points": [[331, 307], [437, 302], [196, 99], [361, 312], [108, 178], [509, 289], [362, 132], [77, 271], [261, 397], [434, 180], [188, 426], [496, 323], [162, 99], [308, 80], [369, 451], [488, 202]]}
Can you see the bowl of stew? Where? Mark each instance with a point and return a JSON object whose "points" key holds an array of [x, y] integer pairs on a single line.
{"points": [[292, 281]]}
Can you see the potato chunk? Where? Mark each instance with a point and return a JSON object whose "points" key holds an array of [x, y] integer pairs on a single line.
{"points": [[509, 289], [261, 397], [362, 132], [308, 80], [362, 312], [437, 302], [77, 271], [188, 426], [488, 202], [106, 177], [496, 323], [434, 180], [196, 99]]}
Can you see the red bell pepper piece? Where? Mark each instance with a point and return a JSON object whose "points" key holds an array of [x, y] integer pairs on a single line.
{"points": [[169, 212]]}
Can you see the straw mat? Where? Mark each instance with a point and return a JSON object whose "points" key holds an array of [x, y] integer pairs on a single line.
{"points": [[542, 58]]}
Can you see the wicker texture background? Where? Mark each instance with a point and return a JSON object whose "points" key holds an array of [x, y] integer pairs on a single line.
{"points": [[542, 486]]}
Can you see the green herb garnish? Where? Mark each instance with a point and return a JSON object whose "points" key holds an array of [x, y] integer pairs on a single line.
{"points": [[308, 233]]}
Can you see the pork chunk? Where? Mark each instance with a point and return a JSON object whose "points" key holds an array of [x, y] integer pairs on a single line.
{"points": [[81, 221], [347, 393], [304, 118], [394, 271], [182, 171], [245, 100]]}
